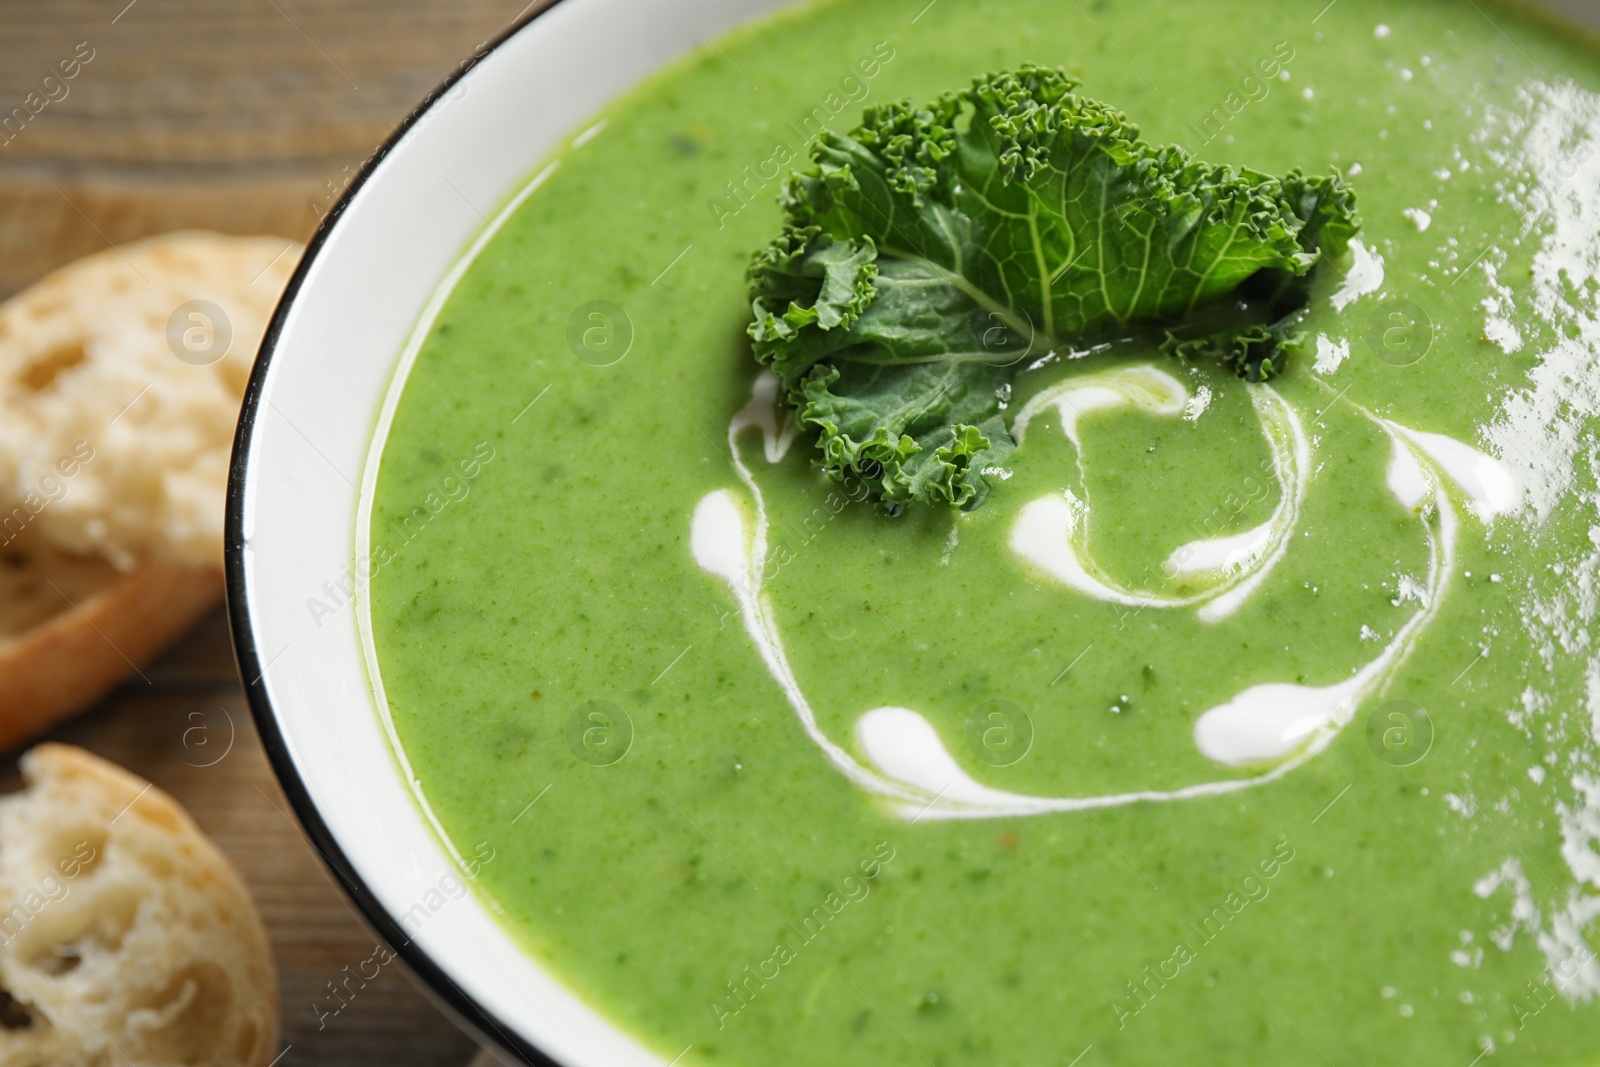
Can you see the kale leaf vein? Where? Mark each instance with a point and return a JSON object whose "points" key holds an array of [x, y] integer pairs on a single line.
{"points": [[929, 253]]}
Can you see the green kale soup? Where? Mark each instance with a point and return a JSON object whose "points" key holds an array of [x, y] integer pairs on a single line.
{"points": [[1013, 593]]}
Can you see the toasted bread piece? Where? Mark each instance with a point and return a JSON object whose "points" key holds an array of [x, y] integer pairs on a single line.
{"points": [[72, 627], [121, 376], [120, 381], [125, 936]]}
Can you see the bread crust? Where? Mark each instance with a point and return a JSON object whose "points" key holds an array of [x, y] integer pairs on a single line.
{"points": [[62, 666]]}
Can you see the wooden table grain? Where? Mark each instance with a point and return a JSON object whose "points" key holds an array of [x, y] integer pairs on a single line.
{"points": [[244, 116]]}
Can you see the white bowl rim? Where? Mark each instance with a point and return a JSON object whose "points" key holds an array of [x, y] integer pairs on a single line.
{"points": [[360, 294], [465, 1010], [469, 1011]]}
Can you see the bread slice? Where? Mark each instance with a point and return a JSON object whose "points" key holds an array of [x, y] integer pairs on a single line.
{"points": [[120, 381], [125, 936], [121, 376], [72, 627]]}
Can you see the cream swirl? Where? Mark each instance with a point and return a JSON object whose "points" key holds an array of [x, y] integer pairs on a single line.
{"points": [[1280, 724]]}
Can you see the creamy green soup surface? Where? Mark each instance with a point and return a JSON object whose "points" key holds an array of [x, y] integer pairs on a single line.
{"points": [[1241, 724]]}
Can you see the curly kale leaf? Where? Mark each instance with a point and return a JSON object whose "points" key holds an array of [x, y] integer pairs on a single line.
{"points": [[929, 253]]}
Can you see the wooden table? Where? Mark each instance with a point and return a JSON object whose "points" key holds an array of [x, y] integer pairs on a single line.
{"points": [[245, 116]]}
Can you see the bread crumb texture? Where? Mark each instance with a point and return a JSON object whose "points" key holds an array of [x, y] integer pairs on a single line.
{"points": [[126, 939], [121, 376]]}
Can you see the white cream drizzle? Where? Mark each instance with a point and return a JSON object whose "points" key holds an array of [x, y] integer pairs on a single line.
{"points": [[1222, 554], [905, 746], [1052, 532], [721, 545], [1488, 485], [1269, 722], [1280, 723], [1142, 387]]}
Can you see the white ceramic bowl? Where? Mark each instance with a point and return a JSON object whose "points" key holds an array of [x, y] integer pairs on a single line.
{"points": [[369, 284]]}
